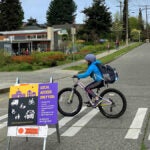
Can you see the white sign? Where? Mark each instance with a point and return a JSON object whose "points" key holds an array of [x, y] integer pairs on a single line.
{"points": [[28, 131], [73, 31]]}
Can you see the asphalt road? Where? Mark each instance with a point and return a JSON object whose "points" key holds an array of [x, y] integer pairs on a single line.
{"points": [[99, 133]]}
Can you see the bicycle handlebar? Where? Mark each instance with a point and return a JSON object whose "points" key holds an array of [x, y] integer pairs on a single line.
{"points": [[75, 76]]}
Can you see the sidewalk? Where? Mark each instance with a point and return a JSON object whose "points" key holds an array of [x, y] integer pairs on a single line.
{"points": [[8, 79]]}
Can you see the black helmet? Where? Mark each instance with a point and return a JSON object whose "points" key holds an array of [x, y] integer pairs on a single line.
{"points": [[90, 58]]}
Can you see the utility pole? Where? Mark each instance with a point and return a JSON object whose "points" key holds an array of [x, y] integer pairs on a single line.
{"points": [[120, 11], [146, 7], [147, 35], [120, 6], [126, 3]]}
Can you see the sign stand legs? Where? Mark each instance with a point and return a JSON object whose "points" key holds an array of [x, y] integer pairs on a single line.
{"points": [[8, 144], [57, 125], [44, 143], [57, 130]]}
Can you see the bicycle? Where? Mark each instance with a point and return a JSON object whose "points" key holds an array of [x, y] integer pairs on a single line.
{"points": [[113, 103]]}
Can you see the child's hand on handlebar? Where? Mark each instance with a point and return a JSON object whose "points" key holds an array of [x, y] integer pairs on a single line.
{"points": [[75, 76]]}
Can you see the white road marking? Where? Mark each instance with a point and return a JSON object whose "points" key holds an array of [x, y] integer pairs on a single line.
{"points": [[149, 137], [3, 117], [4, 124], [135, 127], [63, 122], [75, 128]]}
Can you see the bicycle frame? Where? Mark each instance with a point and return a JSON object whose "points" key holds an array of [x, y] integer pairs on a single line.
{"points": [[77, 83], [82, 86]]}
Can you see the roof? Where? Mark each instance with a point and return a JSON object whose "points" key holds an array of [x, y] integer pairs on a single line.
{"points": [[32, 27], [25, 31], [22, 31]]}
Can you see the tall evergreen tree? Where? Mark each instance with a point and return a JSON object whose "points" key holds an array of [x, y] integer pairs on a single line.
{"points": [[98, 19], [61, 12], [140, 20], [32, 21], [11, 15]]}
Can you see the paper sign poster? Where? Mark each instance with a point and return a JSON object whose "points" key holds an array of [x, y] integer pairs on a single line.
{"points": [[33, 104], [47, 104], [28, 131]]}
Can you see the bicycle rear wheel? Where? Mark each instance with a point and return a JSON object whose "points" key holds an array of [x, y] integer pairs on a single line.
{"points": [[118, 106], [69, 102]]}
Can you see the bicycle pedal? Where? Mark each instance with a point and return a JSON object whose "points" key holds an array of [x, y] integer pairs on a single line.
{"points": [[88, 105]]}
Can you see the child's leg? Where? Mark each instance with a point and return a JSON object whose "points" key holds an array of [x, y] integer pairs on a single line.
{"points": [[91, 86]]}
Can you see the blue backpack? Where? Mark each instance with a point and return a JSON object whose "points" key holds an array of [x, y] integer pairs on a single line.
{"points": [[110, 75]]}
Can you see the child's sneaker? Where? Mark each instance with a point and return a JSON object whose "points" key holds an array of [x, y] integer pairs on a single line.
{"points": [[88, 104]]}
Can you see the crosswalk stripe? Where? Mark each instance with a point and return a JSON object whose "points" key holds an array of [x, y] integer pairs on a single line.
{"points": [[3, 117], [75, 128], [63, 122], [4, 124], [136, 125], [149, 137]]}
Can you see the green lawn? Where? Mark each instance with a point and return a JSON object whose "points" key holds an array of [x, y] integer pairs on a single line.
{"points": [[107, 58]]}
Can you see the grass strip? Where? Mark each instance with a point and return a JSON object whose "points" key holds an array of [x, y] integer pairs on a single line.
{"points": [[108, 58]]}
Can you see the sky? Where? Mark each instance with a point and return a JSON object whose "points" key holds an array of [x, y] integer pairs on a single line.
{"points": [[37, 8]]}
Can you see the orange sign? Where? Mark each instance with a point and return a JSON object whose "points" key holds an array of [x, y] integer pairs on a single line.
{"points": [[27, 131]]}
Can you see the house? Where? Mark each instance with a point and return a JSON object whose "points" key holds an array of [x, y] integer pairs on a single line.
{"points": [[19, 41]]}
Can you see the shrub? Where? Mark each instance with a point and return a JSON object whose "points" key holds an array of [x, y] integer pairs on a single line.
{"points": [[48, 58], [4, 59], [95, 48], [27, 59]]}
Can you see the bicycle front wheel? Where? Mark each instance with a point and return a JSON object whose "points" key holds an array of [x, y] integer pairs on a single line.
{"points": [[69, 102], [118, 104]]}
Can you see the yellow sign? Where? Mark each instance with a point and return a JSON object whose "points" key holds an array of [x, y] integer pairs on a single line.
{"points": [[23, 90]]}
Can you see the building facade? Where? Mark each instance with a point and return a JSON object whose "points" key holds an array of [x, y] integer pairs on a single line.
{"points": [[23, 41]]}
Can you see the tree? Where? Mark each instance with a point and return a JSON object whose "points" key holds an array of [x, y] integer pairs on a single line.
{"points": [[140, 20], [11, 15], [32, 21], [117, 27], [98, 19], [141, 25], [133, 23], [61, 12], [135, 35]]}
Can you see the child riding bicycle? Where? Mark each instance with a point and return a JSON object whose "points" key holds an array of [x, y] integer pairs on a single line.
{"points": [[94, 73]]}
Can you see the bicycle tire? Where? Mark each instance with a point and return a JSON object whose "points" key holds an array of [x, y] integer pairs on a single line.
{"points": [[65, 108], [118, 94]]}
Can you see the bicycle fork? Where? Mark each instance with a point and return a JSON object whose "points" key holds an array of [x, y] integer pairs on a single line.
{"points": [[70, 99]]}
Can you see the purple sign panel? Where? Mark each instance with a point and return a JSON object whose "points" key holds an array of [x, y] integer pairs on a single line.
{"points": [[47, 103]]}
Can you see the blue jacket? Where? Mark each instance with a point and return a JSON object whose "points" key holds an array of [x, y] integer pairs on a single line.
{"points": [[92, 71]]}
